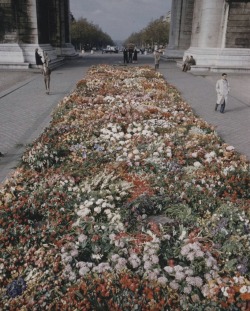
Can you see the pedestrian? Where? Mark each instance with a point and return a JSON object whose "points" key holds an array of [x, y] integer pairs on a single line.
{"points": [[157, 59], [192, 61], [38, 58], [130, 54], [125, 55], [185, 65], [222, 90], [135, 56], [46, 58], [46, 75]]}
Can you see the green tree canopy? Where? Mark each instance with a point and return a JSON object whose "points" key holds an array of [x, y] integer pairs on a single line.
{"points": [[156, 33], [86, 35]]}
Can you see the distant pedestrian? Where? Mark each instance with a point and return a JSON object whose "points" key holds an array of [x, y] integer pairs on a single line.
{"points": [[157, 59], [130, 54], [135, 56], [125, 55], [46, 58], [38, 58], [46, 75], [222, 90]]}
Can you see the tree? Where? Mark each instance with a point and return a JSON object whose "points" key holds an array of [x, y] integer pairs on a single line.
{"points": [[85, 35], [156, 33]]}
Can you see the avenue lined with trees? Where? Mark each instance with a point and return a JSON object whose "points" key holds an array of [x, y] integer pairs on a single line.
{"points": [[86, 35]]}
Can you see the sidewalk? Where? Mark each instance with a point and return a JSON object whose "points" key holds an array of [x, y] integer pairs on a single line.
{"points": [[25, 108], [198, 90]]}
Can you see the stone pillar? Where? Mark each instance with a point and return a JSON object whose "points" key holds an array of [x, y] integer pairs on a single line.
{"points": [[29, 24], [217, 28], [211, 23], [180, 28]]}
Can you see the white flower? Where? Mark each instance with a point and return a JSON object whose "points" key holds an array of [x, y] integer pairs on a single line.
{"points": [[197, 164], [97, 256], [147, 265], [82, 238], [230, 148], [98, 209], [99, 202], [243, 289], [83, 212], [84, 270], [74, 253], [155, 259], [183, 234], [174, 285], [162, 280], [187, 289], [179, 276], [198, 281], [169, 269], [190, 256], [224, 291]]}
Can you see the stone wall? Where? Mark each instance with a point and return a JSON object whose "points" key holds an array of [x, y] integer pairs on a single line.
{"points": [[238, 27]]}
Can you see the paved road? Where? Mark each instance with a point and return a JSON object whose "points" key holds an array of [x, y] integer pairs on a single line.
{"points": [[25, 109]]}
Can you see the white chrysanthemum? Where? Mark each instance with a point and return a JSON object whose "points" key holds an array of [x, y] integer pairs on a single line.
{"points": [[169, 269], [162, 280], [174, 285], [187, 289], [84, 270], [147, 265], [197, 164], [83, 212], [98, 209], [99, 202]]}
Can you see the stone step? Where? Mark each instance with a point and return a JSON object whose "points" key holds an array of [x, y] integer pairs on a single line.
{"points": [[14, 65]]}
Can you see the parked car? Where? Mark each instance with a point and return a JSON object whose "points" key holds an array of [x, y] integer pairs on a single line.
{"points": [[110, 49]]}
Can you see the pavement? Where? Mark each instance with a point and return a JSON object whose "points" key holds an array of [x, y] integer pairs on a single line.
{"points": [[25, 109]]}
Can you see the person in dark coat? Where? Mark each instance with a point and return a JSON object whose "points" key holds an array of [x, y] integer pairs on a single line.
{"points": [[38, 58], [125, 55], [135, 56], [130, 55]]}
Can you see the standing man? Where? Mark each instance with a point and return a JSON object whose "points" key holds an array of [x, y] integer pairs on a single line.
{"points": [[125, 55], [222, 90], [46, 76], [157, 59]]}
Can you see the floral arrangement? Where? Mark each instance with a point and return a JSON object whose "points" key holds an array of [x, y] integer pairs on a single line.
{"points": [[127, 201]]}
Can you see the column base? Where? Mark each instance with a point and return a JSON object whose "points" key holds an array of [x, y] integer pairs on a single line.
{"points": [[22, 56], [218, 60], [172, 53]]}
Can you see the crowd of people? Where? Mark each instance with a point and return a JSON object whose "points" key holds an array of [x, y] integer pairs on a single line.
{"points": [[130, 55]]}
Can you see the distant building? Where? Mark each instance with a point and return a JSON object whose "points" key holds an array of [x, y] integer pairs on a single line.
{"points": [[215, 32], [29, 24]]}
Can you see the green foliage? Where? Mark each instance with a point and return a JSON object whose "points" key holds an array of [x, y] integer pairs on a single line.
{"points": [[85, 35], [157, 32]]}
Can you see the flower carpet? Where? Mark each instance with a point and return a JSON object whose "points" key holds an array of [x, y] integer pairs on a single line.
{"points": [[127, 201]]}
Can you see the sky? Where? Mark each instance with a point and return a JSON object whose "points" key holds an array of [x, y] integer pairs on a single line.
{"points": [[120, 18]]}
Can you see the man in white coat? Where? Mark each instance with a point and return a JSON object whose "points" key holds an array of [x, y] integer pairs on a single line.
{"points": [[222, 90]]}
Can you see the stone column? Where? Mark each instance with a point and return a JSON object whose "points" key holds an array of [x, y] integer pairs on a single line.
{"points": [[211, 23], [217, 32], [180, 27]]}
